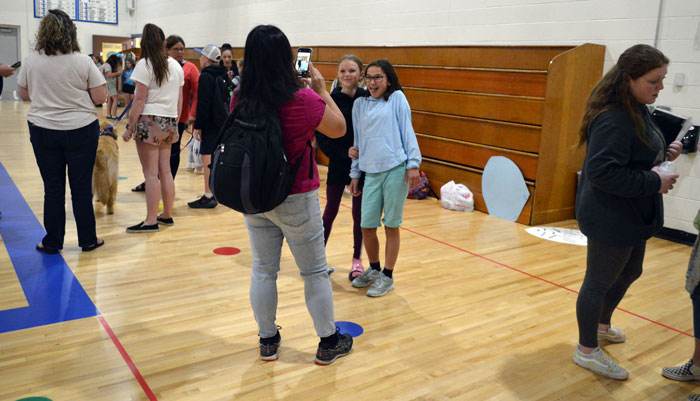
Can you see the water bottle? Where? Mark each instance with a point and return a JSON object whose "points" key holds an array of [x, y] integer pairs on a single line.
{"points": [[667, 167]]}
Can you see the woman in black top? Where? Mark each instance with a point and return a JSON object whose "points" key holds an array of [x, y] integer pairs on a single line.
{"points": [[619, 204], [349, 75]]}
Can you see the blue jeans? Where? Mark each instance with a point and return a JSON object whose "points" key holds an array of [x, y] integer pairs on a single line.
{"points": [[298, 219], [76, 150]]}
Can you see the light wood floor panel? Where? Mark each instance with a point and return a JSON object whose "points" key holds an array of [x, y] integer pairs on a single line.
{"points": [[469, 319]]}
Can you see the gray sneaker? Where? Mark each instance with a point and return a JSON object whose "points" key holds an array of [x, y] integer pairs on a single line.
{"points": [[684, 373], [599, 362], [381, 286], [366, 278]]}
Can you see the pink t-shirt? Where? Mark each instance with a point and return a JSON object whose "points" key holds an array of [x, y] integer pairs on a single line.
{"points": [[299, 118]]}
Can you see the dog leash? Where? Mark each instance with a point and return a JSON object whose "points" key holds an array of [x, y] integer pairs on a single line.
{"points": [[111, 127], [109, 131]]}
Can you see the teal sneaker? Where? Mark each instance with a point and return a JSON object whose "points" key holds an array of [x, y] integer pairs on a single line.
{"points": [[381, 286], [366, 278]]}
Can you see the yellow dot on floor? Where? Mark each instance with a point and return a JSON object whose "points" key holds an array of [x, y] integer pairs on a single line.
{"points": [[160, 208]]}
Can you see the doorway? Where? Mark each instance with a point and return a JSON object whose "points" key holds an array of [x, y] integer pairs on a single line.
{"points": [[9, 53]]}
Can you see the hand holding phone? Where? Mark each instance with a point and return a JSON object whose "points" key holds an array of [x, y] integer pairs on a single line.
{"points": [[302, 64], [16, 65]]}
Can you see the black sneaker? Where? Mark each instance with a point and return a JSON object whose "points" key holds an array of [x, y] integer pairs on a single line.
{"points": [[167, 222], [269, 347], [326, 356], [203, 203], [142, 228]]}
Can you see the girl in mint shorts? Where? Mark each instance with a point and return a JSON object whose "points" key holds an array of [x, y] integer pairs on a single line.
{"points": [[389, 155]]}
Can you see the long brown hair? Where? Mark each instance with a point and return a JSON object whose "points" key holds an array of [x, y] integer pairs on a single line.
{"points": [[57, 34], [153, 51], [613, 90]]}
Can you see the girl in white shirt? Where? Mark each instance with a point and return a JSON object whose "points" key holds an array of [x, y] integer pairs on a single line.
{"points": [[153, 122]]}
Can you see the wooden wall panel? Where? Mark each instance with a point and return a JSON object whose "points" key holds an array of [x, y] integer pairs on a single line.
{"points": [[474, 155], [492, 107], [521, 137], [506, 82], [439, 173], [501, 57], [568, 87]]}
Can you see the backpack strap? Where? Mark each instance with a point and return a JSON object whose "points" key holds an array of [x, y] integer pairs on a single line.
{"points": [[311, 160]]}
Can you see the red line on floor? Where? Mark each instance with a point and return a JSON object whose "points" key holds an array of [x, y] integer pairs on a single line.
{"points": [[529, 275], [128, 360]]}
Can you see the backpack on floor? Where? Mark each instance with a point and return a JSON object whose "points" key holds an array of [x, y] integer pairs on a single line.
{"points": [[422, 190], [250, 172]]}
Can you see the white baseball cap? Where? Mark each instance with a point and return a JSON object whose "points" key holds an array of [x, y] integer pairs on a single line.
{"points": [[211, 52]]}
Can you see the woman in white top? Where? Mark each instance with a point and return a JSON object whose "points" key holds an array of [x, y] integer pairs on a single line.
{"points": [[153, 122], [63, 127]]}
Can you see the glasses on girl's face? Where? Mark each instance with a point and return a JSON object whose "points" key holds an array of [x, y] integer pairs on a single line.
{"points": [[375, 78]]}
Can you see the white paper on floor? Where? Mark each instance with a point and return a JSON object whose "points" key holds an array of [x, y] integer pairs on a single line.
{"points": [[556, 234]]}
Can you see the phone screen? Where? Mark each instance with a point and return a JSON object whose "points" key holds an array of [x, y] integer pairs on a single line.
{"points": [[302, 65]]}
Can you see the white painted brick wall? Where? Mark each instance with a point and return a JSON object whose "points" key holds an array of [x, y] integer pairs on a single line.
{"points": [[21, 14], [618, 24]]}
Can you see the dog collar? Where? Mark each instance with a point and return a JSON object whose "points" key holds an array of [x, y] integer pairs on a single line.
{"points": [[109, 131]]}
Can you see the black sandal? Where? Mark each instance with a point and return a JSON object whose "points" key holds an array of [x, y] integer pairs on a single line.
{"points": [[94, 246], [49, 251], [139, 188]]}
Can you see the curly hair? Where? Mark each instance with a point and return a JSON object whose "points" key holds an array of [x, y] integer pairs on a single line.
{"points": [[57, 34]]}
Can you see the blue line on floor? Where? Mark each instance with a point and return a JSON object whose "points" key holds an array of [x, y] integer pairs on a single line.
{"points": [[52, 291]]}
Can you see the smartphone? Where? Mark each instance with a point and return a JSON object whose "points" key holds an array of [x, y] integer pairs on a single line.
{"points": [[16, 65], [303, 58]]}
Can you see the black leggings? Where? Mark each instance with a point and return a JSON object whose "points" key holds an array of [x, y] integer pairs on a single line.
{"points": [[334, 194], [175, 150], [610, 270]]}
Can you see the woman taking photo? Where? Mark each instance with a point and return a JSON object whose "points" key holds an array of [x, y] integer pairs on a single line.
{"points": [[153, 123], [619, 204], [63, 127], [271, 84]]}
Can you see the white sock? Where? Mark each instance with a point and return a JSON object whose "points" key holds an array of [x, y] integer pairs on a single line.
{"points": [[209, 195]]}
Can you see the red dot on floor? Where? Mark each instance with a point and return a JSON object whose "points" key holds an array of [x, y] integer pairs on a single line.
{"points": [[227, 250]]}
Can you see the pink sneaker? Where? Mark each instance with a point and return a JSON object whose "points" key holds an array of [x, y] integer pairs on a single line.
{"points": [[356, 269]]}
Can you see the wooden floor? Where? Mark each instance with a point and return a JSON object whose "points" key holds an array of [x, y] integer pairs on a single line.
{"points": [[482, 310]]}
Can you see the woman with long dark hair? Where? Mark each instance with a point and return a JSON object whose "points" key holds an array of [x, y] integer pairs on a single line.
{"points": [[63, 126], [153, 123], [112, 72], [619, 204], [270, 84]]}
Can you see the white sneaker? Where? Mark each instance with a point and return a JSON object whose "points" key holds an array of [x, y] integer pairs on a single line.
{"points": [[599, 362], [613, 335]]}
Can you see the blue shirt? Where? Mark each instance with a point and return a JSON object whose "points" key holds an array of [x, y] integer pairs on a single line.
{"points": [[126, 77], [384, 134]]}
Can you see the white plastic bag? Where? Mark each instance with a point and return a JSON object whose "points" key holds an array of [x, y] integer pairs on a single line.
{"points": [[456, 197]]}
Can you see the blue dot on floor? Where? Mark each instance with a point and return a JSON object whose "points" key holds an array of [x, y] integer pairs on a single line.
{"points": [[354, 329], [122, 178]]}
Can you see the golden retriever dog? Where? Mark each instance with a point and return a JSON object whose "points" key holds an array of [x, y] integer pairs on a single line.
{"points": [[105, 175]]}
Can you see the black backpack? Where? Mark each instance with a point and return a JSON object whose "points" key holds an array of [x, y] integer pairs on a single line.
{"points": [[250, 171]]}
